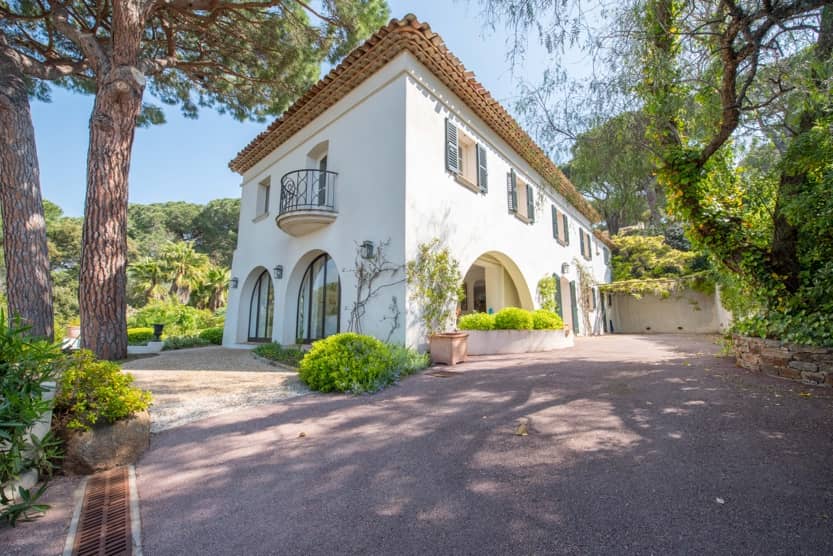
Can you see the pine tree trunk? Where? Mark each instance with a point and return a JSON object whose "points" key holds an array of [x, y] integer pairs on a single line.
{"points": [[28, 285], [103, 280]]}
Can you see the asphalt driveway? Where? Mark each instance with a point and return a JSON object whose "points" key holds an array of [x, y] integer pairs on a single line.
{"points": [[636, 444]]}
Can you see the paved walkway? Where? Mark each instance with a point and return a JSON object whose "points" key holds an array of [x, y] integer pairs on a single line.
{"points": [[192, 384], [637, 444]]}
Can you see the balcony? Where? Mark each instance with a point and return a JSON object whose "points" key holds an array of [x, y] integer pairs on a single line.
{"points": [[307, 201]]}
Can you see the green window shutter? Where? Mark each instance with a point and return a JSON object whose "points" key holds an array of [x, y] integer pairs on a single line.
{"points": [[566, 229], [482, 171], [590, 246], [512, 192], [559, 306], [452, 160], [593, 291], [581, 241], [574, 306], [530, 203], [554, 221]]}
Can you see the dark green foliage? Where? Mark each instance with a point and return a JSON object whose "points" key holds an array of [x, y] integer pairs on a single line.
{"points": [[25, 364], [355, 363], [213, 335], [92, 392], [139, 336], [183, 342], [546, 320], [513, 318], [476, 321], [275, 352]]}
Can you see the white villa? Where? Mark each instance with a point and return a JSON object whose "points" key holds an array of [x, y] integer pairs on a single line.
{"points": [[396, 146]]}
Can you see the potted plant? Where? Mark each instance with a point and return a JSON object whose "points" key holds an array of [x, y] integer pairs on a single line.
{"points": [[435, 280]]}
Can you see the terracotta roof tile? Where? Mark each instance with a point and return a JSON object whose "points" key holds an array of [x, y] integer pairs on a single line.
{"points": [[428, 47]]}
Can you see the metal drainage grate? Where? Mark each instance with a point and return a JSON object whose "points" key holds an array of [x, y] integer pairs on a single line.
{"points": [[443, 374], [104, 526]]}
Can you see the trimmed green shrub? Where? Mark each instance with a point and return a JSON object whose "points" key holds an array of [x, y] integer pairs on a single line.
{"points": [[179, 320], [273, 351], [546, 320], [477, 321], [213, 335], [183, 342], [513, 318], [139, 336], [25, 363], [356, 363], [92, 391]]}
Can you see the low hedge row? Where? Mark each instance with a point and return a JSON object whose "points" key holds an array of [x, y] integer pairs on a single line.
{"points": [[512, 318]]}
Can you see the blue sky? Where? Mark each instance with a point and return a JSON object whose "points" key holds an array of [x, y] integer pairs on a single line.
{"points": [[187, 159]]}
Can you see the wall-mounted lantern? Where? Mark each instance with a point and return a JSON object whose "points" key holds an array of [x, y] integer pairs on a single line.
{"points": [[367, 249], [565, 268], [233, 283], [277, 272]]}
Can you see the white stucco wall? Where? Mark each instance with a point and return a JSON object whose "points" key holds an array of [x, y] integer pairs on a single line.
{"points": [[387, 143], [686, 312], [366, 135], [472, 224]]}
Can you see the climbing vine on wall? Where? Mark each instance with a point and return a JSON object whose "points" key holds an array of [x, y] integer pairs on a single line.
{"points": [[373, 275], [546, 293]]}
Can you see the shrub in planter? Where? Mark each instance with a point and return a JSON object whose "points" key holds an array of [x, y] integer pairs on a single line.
{"points": [[92, 392], [546, 320], [477, 321], [25, 364], [139, 336], [356, 363], [513, 318], [213, 335]]}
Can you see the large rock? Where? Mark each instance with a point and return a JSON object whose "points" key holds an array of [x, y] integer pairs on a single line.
{"points": [[107, 446]]}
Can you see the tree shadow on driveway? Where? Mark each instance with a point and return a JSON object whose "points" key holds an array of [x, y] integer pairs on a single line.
{"points": [[636, 444]]}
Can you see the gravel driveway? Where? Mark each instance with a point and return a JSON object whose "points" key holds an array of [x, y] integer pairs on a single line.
{"points": [[192, 384], [636, 445]]}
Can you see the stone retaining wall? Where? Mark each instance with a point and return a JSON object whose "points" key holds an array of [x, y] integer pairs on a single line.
{"points": [[808, 364]]}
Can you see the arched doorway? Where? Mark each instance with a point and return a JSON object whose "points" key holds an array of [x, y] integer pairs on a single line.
{"points": [[261, 309], [493, 282], [319, 301]]}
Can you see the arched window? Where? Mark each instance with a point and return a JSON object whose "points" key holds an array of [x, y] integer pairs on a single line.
{"points": [[319, 299], [261, 309]]}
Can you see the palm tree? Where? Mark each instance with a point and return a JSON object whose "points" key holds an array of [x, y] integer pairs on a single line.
{"points": [[184, 267], [210, 293], [148, 276]]}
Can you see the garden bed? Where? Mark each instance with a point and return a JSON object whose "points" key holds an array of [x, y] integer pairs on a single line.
{"points": [[493, 342]]}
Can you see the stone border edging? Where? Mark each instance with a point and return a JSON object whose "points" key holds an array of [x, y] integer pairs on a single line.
{"points": [[807, 364]]}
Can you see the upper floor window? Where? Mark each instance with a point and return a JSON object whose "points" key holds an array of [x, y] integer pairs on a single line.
{"points": [[520, 197], [606, 253], [585, 244], [263, 188], [466, 159], [560, 226]]}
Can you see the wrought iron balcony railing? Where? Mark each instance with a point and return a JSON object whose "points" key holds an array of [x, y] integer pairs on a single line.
{"points": [[308, 190]]}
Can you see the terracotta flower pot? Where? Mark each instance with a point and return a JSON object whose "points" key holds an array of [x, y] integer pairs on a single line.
{"points": [[448, 348]]}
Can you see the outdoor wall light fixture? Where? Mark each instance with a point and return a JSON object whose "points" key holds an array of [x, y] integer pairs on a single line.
{"points": [[278, 272], [233, 283], [565, 268], [367, 249]]}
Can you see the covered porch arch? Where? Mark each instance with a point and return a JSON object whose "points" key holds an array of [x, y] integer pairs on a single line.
{"points": [[493, 281]]}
